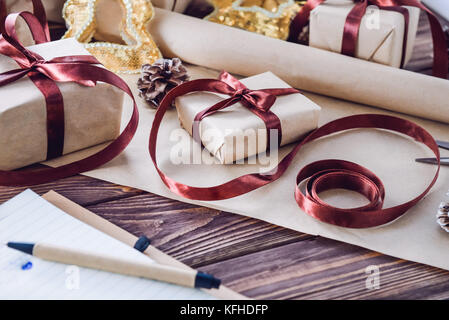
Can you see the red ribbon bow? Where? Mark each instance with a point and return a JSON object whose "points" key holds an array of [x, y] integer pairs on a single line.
{"points": [[258, 102], [45, 74], [353, 21]]}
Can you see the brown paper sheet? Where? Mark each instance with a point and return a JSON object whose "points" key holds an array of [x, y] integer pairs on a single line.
{"points": [[415, 236], [112, 230]]}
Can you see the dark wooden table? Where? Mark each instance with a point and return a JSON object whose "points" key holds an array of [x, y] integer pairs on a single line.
{"points": [[255, 258]]}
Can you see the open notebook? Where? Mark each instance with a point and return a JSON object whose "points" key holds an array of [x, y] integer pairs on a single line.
{"points": [[30, 218]]}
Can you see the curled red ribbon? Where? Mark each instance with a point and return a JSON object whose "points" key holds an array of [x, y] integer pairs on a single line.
{"points": [[353, 21], [258, 102], [321, 175], [45, 74], [38, 11]]}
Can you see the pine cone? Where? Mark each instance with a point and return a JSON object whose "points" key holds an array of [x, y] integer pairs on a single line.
{"points": [[443, 216], [159, 78]]}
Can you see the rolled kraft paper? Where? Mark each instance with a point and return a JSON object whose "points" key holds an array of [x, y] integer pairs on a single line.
{"points": [[241, 52]]}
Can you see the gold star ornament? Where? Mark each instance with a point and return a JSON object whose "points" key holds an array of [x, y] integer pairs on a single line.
{"points": [[134, 46], [268, 17]]}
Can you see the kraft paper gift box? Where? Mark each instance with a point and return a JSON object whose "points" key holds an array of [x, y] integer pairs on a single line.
{"points": [[235, 129], [92, 114], [381, 33]]}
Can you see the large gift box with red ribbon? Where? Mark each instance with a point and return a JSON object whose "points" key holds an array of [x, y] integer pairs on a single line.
{"points": [[384, 36], [34, 125], [239, 119]]}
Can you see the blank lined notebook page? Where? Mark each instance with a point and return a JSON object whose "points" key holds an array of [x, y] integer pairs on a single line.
{"points": [[29, 218]]}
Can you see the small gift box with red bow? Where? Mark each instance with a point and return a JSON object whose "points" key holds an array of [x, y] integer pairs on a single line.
{"points": [[235, 120], [35, 123], [384, 36]]}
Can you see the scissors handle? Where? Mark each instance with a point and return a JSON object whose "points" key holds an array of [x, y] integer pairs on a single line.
{"points": [[443, 144]]}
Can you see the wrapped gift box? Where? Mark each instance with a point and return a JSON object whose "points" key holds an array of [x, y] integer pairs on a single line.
{"points": [[235, 129], [92, 114], [381, 43]]}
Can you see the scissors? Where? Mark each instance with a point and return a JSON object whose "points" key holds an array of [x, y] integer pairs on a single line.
{"points": [[444, 160]]}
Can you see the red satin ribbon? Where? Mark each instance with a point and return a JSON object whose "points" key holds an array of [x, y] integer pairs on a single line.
{"points": [[258, 102], [38, 11], [45, 74], [354, 18], [321, 175]]}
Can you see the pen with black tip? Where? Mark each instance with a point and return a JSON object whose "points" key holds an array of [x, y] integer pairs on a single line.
{"points": [[149, 270]]}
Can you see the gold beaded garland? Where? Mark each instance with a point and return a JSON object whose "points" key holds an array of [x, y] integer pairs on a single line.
{"points": [[139, 47], [268, 17]]}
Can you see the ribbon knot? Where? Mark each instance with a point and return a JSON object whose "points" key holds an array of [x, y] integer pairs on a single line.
{"points": [[261, 100], [258, 102], [241, 92]]}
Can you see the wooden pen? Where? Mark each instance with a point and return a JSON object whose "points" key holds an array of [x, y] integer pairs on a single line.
{"points": [[149, 270]]}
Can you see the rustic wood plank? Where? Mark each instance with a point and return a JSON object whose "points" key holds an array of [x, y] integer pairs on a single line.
{"points": [[325, 269], [83, 190], [195, 235]]}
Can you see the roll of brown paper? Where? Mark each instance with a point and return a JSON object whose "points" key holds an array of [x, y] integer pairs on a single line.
{"points": [[240, 52]]}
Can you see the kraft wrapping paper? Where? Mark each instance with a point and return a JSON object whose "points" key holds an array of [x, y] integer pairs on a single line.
{"points": [[415, 236], [381, 33], [92, 115]]}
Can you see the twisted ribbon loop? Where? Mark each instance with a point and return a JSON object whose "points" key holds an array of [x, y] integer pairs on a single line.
{"points": [[258, 102]]}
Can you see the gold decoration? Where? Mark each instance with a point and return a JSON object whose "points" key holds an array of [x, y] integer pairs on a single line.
{"points": [[268, 17], [139, 47]]}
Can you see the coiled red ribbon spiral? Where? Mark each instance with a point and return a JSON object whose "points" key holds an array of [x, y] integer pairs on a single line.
{"points": [[321, 175]]}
